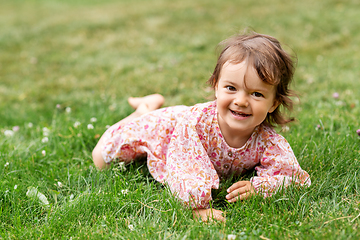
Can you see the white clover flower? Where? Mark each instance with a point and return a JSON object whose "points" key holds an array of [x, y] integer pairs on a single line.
{"points": [[93, 119], [9, 133], [90, 126], [131, 227], [45, 140], [43, 152], [124, 191], [339, 103], [30, 125], [76, 124], [6, 164], [71, 197], [16, 128], [59, 184], [231, 237], [15, 187], [46, 131], [68, 109]]}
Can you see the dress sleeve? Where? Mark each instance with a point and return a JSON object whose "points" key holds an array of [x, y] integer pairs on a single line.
{"points": [[191, 175], [278, 168]]}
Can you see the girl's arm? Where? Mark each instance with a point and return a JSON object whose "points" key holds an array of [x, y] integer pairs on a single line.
{"points": [[278, 168], [191, 174]]}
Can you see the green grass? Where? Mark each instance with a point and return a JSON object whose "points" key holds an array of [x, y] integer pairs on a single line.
{"points": [[92, 55]]}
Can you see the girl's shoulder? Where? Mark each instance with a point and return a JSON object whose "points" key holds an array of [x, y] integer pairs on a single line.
{"points": [[269, 135], [266, 131], [203, 109]]}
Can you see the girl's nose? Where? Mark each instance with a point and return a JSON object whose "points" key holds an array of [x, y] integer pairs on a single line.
{"points": [[241, 100]]}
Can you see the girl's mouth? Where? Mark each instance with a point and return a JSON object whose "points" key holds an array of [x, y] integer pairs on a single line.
{"points": [[239, 114]]}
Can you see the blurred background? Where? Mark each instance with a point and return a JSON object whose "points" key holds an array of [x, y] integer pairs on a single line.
{"points": [[94, 54]]}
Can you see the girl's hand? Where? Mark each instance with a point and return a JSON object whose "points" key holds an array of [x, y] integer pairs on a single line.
{"points": [[239, 191], [209, 214]]}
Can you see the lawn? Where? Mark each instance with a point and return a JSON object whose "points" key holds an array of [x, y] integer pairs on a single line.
{"points": [[66, 71]]}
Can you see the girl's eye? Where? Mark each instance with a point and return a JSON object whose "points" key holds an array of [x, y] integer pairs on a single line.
{"points": [[257, 94], [230, 88]]}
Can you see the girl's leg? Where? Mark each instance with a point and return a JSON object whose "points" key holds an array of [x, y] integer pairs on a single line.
{"points": [[141, 105], [153, 101]]}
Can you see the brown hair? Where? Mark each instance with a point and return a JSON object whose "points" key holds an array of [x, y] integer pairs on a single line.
{"points": [[273, 65]]}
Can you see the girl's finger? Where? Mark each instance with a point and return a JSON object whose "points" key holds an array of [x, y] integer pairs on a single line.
{"points": [[239, 197], [236, 185], [238, 188], [236, 193], [240, 193]]}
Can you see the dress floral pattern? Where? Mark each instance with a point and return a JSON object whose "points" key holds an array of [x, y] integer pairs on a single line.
{"points": [[186, 150]]}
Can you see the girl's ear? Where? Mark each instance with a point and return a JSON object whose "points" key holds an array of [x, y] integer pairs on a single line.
{"points": [[274, 106]]}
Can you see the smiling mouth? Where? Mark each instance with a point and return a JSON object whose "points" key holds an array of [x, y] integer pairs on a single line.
{"points": [[239, 114]]}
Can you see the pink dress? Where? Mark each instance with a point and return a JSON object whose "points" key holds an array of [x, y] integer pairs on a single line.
{"points": [[186, 150]]}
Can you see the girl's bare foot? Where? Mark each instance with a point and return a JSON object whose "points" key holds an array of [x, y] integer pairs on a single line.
{"points": [[141, 110], [153, 102]]}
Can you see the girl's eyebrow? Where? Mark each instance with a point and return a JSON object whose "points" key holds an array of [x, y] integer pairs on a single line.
{"points": [[229, 82], [258, 89]]}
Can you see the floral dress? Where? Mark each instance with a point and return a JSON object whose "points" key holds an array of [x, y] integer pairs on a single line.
{"points": [[186, 150]]}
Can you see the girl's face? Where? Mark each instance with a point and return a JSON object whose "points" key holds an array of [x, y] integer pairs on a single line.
{"points": [[243, 100]]}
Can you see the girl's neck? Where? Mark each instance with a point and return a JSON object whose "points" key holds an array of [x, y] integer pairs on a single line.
{"points": [[232, 138], [235, 141]]}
